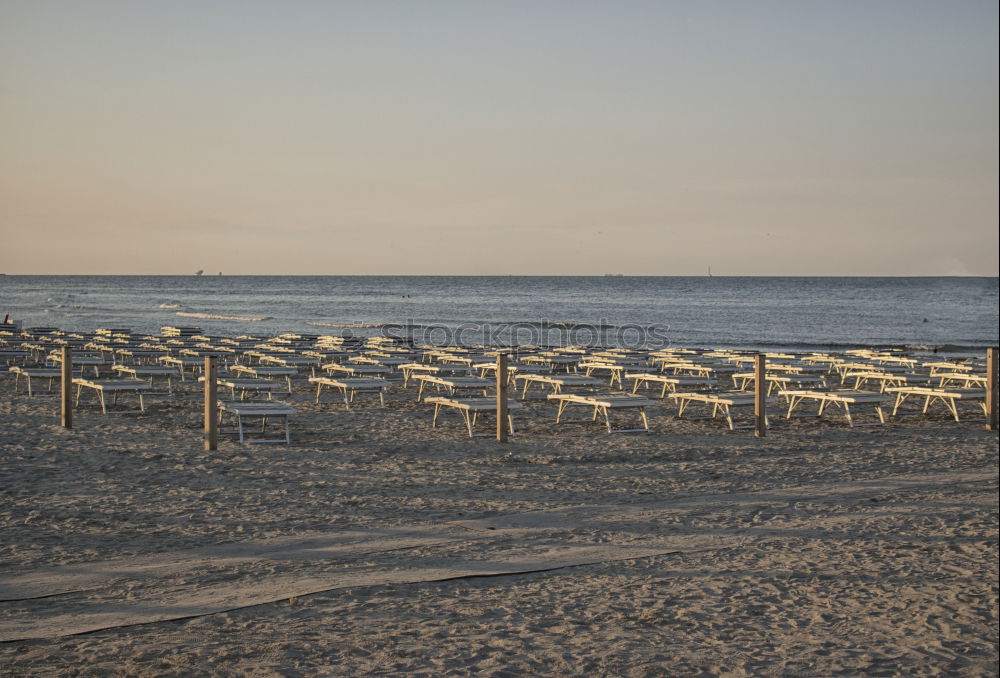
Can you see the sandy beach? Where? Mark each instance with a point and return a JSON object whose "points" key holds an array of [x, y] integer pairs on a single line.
{"points": [[376, 545]]}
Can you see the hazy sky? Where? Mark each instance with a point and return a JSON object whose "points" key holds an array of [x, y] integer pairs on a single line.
{"points": [[758, 137]]}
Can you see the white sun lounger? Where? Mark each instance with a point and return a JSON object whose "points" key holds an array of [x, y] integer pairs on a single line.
{"points": [[557, 382], [470, 408], [452, 384], [842, 399], [949, 397], [80, 362], [724, 403], [614, 370], [960, 380], [113, 386], [256, 409], [487, 370], [410, 369], [289, 360], [267, 372], [183, 363], [670, 382], [48, 373], [246, 385], [356, 369], [150, 372], [555, 362], [884, 379], [744, 381], [350, 386], [602, 404]]}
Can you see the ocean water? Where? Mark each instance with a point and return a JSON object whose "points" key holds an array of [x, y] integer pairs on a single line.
{"points": [[951, 315]]}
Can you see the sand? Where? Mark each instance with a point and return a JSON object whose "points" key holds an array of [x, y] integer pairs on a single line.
{"points": [[375, 545]]}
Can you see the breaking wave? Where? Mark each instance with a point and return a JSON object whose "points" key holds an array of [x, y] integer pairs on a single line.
{"points": [[232, 318]]}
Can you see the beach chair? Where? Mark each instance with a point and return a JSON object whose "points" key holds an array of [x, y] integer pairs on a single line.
{"points": [[50, 374], [949, 397], [842, 399], [602, 404], [150, 372], [245, 385], [452, 385], [241, 410], [115, 387], [268, 372], [669, 383], [470, 409], [411, 369], [721, 403], [556, 382], [349, 387]]}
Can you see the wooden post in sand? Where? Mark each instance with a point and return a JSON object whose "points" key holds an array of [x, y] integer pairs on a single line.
{"points": [[502, 397], [211, 405], [759, 396], [66, 384], [991, 389]]}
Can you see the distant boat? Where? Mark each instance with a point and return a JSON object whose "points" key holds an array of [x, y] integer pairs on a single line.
{"points": [[709, 271], [199, 272]]}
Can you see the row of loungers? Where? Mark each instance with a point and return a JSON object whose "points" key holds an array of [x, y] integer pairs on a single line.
{"points": [[460, 379]]}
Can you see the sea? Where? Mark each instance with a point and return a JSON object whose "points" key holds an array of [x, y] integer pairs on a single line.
{"points": [[948, 315]]}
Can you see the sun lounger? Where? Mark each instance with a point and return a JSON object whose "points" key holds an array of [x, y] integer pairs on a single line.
{"points": [[356, 370], [557, 382], [150, 372], [949, 397], [885, 379], [268, 372], [290, 360], [256, 409], [842, 399], [80, 362], [487, 370], [960, 380], [51, 374], [470, 408], [670, 382], [246, 385], [452, 384], [183, 363], [941, 366], [11, 356], [410, 369], [614, 370], [744, 381], [602, 403], [555, 362], [723, 403], [114, 387], [350, 386]]}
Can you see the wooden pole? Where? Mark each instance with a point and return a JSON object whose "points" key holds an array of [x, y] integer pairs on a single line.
{"points": [[502, 397], [991, 389], [211, 406], [66, 384], [759, 396]]}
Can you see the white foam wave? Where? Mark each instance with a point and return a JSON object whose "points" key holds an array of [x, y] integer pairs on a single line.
{"points": [[347, 325], [169, 306], [233, 318]]}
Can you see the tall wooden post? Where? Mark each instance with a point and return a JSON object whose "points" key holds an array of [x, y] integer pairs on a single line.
{"points": [[991, 389], [66, 385], [211, 406], [502, 397], [760, 395]]}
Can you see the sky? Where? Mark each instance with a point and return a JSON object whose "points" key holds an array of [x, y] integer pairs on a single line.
{"points": [[536, 137]]}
